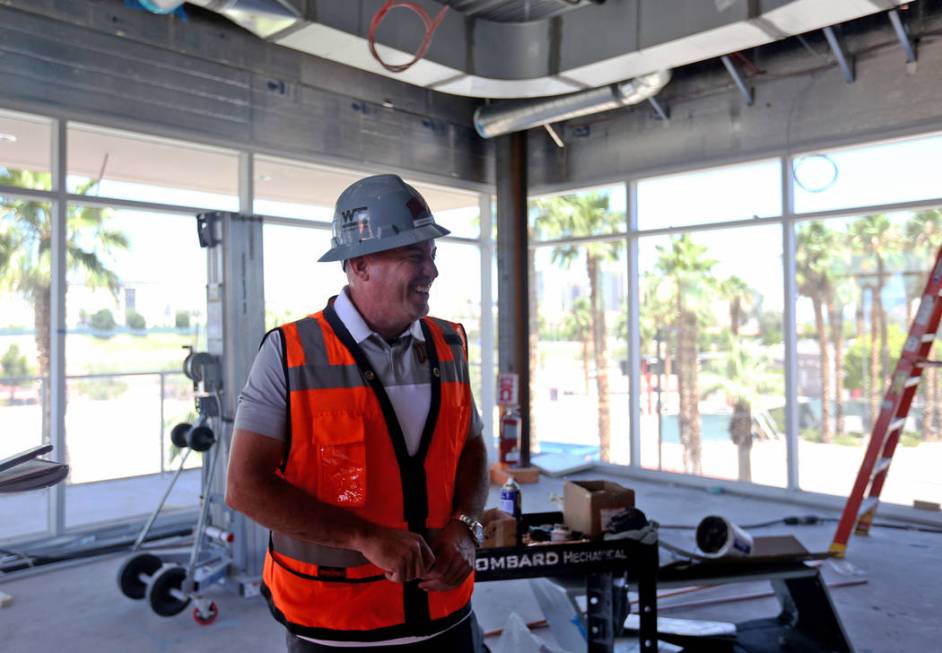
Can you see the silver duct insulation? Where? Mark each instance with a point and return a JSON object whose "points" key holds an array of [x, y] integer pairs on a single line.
{"points": [[261, 17], [503, 118]]}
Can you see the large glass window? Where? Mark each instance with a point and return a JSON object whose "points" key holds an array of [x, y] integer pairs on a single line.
{"points": [[735, 192], [859, 281], [109, 163], [25, 151], [579, 382], [295, 283], [712, 386], [136, 297], [592, 212], [456, 296], [25, 279], [456, 210], [866, 175], [292, 189]]}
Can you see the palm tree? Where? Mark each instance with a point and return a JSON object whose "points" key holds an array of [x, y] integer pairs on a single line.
{"points": [[875, 238], [745, 377], [840, 295], [923, 237], [26, 259], [577, 325], [580, 215], [741, 298], [686, 271], [812, 266]]}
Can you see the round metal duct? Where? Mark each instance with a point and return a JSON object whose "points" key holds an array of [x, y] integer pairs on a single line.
{"points": [[503, 118]]}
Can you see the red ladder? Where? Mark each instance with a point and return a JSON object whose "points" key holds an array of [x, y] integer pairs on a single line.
{"points": [[889, 425]]}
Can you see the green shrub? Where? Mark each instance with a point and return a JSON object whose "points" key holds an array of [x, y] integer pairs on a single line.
{"points": [[13, 363], [136, 321], [909, 439], [103, 320], [182, 320]]}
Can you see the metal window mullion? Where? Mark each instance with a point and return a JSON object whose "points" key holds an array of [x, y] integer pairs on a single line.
{"points": [[487, 317], [579, 240], [790, 326], [246, 182], [15, 192], [117, 202], [57, 384], [710, 226], [634, 328]]}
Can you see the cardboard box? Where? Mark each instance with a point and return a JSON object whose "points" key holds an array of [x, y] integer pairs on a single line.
{"points": [[500, 529], [588, 506], [523, 475]]}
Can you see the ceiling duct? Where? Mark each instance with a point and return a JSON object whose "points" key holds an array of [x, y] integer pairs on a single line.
{"points": [[481, 49], [261, 17], [503, 118]]}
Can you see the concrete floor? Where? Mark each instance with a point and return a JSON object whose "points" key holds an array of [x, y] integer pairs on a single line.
{"points": [[79, 609]]}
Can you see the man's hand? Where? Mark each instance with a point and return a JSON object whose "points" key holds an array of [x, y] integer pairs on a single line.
{"points": [[403, 555], [454, 552]]}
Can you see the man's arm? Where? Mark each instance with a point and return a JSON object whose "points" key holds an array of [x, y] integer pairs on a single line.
{"points": [[454, 548], [471, 481], [256, 490]]}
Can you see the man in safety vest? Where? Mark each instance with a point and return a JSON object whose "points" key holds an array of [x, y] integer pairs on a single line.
{"points": [[358, 443]]}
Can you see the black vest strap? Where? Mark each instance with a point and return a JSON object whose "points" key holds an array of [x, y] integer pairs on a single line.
{"points": [[411, 468]]}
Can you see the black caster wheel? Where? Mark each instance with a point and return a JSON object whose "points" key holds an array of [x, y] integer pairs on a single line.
{"points": [[178, 435], [201, 438], [206, 619], [164, 591], [135, 574]]}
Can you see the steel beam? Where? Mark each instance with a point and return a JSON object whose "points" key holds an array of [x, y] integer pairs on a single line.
{"points": [[513, 309], [554, 135], [846, 63], [662, 110], [905, 40], [733, 71]]}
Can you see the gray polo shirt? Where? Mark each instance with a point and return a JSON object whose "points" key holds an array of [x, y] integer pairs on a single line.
{"points": [[263, 402]]}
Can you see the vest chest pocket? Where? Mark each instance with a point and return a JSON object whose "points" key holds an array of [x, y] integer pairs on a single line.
{"points": [[341, 465]]}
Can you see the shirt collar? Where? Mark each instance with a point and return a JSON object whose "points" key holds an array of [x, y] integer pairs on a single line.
{"points": [[358, 327]]}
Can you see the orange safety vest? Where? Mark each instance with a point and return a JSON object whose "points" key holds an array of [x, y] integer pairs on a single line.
{"points": [[346, 448]]}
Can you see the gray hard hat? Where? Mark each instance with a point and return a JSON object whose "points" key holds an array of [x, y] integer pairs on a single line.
{"points": [[379, 213]]}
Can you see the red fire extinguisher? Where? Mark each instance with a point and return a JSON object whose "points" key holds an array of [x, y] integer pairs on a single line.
{"points": [[510, 437]]}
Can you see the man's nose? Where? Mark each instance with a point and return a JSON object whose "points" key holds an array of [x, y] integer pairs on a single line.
{"points": [[430, 269]]}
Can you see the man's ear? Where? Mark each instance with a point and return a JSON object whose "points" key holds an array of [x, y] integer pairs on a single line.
{"points": [[359, 267]]}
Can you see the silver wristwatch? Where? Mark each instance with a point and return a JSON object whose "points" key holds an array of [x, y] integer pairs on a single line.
{"points": [[474, 526]]}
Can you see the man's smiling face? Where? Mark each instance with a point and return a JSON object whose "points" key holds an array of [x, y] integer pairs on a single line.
{"points": [[395, 290]]}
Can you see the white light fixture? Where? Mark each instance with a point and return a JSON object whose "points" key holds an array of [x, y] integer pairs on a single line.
{"points": [[7, 138]]}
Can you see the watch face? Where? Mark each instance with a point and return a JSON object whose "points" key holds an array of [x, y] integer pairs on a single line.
{"points": [[474, 526]]}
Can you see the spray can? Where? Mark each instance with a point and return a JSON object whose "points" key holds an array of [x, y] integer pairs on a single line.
{"points": [[511, 502]]}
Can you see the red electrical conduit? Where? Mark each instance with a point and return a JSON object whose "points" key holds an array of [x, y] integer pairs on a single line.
{"points": [[431, 24]]}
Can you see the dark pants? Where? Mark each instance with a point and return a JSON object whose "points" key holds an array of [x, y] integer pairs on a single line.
{"points": [[466, 637]]}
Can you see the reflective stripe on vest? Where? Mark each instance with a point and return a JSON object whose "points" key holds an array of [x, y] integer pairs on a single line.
{"points": [[347, 449]]}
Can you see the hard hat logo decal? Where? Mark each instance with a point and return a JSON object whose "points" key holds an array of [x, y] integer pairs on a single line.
{"points": [[356, 225], [349, 215]]}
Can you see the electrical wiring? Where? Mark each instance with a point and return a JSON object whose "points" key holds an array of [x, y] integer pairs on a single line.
{"points": [[431, 24]]}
